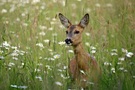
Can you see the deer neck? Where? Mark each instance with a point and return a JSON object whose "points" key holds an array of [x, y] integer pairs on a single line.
{"points": [[79, 52]]}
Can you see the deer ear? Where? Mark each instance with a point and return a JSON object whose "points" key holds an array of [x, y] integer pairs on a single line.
{"points": [[64, 20], [84, 21]]}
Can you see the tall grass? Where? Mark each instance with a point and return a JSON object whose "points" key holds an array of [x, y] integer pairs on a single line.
{"points": [[33, 55]]}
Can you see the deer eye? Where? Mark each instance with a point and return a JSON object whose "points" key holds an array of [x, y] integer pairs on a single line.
{"points": [[76, 32], [66, 32]]}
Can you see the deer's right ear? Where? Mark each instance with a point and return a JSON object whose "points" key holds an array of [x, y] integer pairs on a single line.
{"points": [[64, 20], [84, 21]]}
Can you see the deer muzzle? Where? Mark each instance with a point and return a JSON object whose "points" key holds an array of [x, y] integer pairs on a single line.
{"points": [[68, 41]]}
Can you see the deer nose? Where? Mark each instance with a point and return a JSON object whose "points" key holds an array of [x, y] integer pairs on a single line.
{"points": [[68, 41]]}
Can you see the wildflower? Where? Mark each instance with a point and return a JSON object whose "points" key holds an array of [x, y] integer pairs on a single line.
{"points": [[40, 64], [121, 59], [4, 11], [63, 3], [22, 87], [42, 27], [93, 51], [42, 7], [1, 52], [25, 24], [37, 70], [50, 28], [121, 68], [14, 86], [61, 43], [52, 22], [12, 9], [40, 45], [54, 1], [92, 47], [39, 78], [113, 70], [87, 44], [5, 44], [11, 64], [46, 40], [22, 64], [51, 59], [125, 70], [28, 48], [56, 56], [53, 19], [14, 58], [61, 26], [48, 67], [114, 54], [114, 50], [124, 50], [63, 76], [59, 70], [42, 33], [15, 53], [50, 50], [87, 34], [58, 83], [70, 51], [22, 52], [1, 57], [14, 47], [65, 67], [82, 72], [119, 63], [107, 64], [17, 19], [84, 81], [35, 1], [6, 22], [23, 15], [129, 54], [40, 57]]}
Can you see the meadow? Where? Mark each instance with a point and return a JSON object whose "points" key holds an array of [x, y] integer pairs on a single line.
{"points": [[34, 56]]}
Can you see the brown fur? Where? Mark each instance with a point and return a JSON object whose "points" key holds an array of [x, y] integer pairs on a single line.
{"points": [[83, 67]]}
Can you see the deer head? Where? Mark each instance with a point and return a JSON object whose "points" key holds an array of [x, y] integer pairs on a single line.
{"points": [[74, 32]]}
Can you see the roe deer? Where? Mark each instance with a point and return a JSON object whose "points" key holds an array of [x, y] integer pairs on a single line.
{"points": [[83, 67]]}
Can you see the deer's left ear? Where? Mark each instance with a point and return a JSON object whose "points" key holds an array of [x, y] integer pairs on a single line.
{"points": [[84, 21]]}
